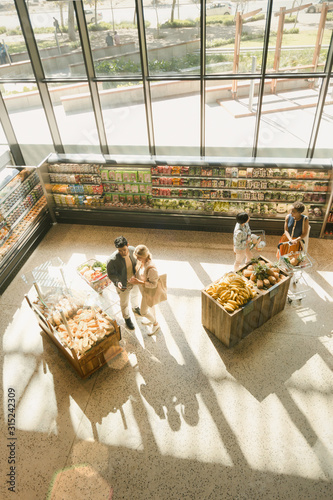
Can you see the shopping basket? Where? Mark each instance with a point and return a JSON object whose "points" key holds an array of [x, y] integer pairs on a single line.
{"points": [[294, 263], [257, 243]]}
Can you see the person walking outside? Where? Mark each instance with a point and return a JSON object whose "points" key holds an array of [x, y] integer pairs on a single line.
{"points": [[121, 267], [116, 38], [56, 26], [147, 279], [109, 40]]}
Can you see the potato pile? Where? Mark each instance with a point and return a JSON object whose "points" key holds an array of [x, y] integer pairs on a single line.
{"points": [[263, 274], [232, 291]]}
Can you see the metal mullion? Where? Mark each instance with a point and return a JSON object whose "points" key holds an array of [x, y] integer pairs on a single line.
{"points": [[202, 80], [262, 77], [145, 75], [321, 102], [37, 68], [90, 70], [10, 134]]}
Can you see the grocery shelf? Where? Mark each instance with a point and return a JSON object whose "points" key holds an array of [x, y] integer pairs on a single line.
{"points": [[22, 248]]}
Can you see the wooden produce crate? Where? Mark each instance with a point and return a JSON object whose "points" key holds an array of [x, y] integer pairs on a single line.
{"points": [[230, 328], [86, 364]]}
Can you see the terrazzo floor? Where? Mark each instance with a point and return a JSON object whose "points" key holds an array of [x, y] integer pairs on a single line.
{"points": [[177, 415]]}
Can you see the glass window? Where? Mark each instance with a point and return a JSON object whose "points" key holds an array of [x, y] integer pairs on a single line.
{"points": [[176, 117], [173, 37], [230, 25], [75, 118], [55, 29], [124, 117], [298, 49], [113, 37], [28, 119], [230, 122], [287, 117], [14, 57], [324, 147]]}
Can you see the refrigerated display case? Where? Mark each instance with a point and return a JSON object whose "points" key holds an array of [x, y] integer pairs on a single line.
{"points": [[24, 218], [185, 193]]}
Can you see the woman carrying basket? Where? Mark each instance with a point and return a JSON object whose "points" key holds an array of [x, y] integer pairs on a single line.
{"points": [[296, 228]]}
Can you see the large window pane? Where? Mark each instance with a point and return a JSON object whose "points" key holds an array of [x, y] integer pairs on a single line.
{"points": [[75, 118], [287, 117], [299, 32], [176, 116], [113, 37], [324, 145], [230, 121], [124, 117], [14, 57], [28, 119], [55, 28], [173, 37], [234, 44]]}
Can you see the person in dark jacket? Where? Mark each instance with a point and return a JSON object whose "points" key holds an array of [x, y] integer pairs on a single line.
{"points": [[121, 267]]}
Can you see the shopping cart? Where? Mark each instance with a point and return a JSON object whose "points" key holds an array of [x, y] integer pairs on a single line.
{"points": [[293, 264], [257, 243]]}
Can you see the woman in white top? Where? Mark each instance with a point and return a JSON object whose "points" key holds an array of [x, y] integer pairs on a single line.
{"points": [[147, 278]]}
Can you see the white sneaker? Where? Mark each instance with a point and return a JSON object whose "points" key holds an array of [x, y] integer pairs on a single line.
{"points": [[146, 321], [154, 329]]}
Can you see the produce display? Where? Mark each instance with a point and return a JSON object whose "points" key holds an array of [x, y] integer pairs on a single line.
{"points": [[94, 273], [232, 291], [220, 189], [22, 226], [86, 326], [262, 274]]}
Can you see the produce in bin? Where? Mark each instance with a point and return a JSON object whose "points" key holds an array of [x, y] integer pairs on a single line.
{"points": [[232, 291], [87, 325], [263, 274], [94, 273]]}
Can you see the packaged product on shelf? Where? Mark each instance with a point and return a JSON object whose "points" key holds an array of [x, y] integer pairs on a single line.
{"points": [[115, 198], [136, 199], [228, 172], [249, 172], [129, 198], [143, 199], [176, 170], [215, 172], [234, 172], [234, 183], [104, 174], [118, 176], [112, 175]]}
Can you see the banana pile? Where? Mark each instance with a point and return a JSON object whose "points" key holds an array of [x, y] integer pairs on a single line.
{"points": [[232, 291]]}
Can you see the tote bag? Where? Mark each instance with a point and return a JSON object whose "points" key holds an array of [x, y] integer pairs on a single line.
{"points": [[159, 294]]}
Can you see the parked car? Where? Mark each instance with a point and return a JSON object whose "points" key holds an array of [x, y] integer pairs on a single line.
{"points": [[317, 6], [90, 16], [219, 9]]}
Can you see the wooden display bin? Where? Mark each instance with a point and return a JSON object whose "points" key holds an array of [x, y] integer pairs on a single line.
{"points": [[86, 364], [230, 328]]}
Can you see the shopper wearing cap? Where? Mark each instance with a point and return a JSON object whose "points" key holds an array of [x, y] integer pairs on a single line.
{"points": [[121, 268], [147, 278]]}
